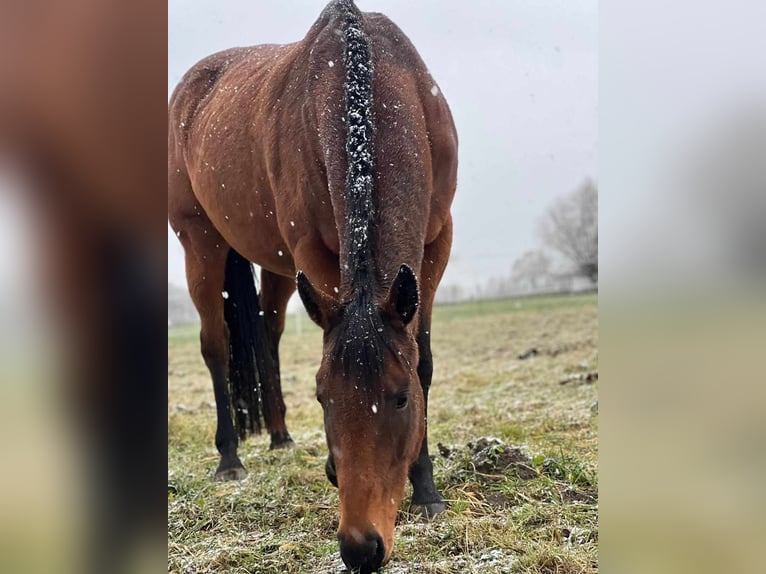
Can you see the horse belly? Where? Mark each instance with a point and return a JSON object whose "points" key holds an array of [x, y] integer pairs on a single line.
{"points": [[245, 216]]}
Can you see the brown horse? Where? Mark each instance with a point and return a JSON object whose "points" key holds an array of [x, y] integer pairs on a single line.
{"points": [[334, 157]]}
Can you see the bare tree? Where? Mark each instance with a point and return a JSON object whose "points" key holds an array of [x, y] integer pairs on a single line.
{"points": [[531, 268], [570, 226]]}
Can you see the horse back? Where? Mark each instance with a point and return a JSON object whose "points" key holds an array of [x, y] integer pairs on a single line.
{"points": [[267, 125], [415, 141]]}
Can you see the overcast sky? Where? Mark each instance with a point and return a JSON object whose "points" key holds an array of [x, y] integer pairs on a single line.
{"points": [[519, 76]]}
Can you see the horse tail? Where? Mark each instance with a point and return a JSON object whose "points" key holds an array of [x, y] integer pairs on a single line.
{"points": [[250, 360]]}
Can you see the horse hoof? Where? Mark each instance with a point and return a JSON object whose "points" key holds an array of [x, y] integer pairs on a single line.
{"points": [[286, 443], [236, 473], [428, 511]]}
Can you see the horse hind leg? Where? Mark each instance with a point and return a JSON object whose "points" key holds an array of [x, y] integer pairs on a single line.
{"points": [[275, 294], [205, 271]]}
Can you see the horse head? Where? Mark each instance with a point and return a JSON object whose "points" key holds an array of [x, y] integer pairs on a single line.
{"points": [[373, 407]]}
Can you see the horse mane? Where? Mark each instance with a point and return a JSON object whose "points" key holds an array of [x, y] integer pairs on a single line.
{"points": [[361, 340], [360, 200]]}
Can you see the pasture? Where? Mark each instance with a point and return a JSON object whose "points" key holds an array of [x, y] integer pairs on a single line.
{"points": [[513, 440]]}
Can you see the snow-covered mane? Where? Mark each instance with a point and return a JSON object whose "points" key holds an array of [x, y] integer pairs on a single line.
{"points": [[360, 200], [361, 347]]}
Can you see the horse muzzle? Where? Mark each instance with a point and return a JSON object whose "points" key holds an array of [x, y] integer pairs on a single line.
{"points": [[363, 553]]}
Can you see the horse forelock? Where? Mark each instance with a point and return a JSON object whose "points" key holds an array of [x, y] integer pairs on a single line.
{"points": [[361, 339]]}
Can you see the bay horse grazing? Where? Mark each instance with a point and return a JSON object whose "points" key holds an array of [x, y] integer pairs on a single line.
{"points": [[331, 163]]}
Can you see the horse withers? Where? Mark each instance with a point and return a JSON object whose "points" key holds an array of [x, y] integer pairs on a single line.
{"points": [[331, 163]]}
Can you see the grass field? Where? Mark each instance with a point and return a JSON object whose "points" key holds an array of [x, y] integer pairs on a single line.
{"points": [[516, 456]]}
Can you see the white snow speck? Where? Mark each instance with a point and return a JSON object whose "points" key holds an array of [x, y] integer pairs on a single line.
{"points": [[178, 234], [374, 408], [292, 224], [435, 91], [225, 294], [280, 253], [261, 313], [331, 63], [335, 289]]}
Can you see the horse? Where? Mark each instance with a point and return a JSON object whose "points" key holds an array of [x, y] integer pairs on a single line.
{"points": [[331, 163]]}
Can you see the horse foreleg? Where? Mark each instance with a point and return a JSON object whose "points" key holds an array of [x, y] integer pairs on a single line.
{"points": [[426, 499]]}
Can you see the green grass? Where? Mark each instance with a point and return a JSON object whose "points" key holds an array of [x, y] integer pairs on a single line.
{"points": [[474, 309], [541, 516]]}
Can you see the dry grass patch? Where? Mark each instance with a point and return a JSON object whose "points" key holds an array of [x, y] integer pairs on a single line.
{"points": [[517, 454]]}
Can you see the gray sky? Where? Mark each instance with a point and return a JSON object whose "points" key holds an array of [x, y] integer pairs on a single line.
{"points": [[520, 78], [683, 105]]}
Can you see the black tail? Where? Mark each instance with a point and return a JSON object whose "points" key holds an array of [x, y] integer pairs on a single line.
{"points": [[250, 360]]}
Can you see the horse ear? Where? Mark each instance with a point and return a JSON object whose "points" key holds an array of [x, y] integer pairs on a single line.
{"points": [[403, 297], [318, 305]]}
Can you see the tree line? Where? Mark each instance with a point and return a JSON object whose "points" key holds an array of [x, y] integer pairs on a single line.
{"points": [[566, 260]]}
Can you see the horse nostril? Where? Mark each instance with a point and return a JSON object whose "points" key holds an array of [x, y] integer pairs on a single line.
{"points": [[363, 556], [380, 549], [329, 469]]}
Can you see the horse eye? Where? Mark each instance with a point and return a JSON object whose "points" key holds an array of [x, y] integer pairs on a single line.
{"points": [[401, 400]]}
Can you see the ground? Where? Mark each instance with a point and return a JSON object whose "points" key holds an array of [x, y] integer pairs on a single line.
{"points": [[513, 435]]}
